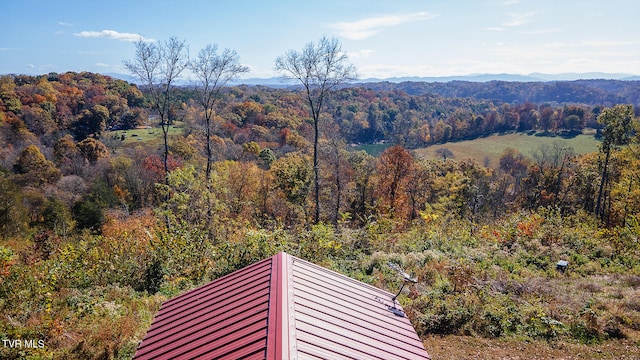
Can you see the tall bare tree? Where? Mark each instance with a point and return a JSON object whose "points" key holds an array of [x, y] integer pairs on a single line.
{"points": [[321, 68], [158, 66], [213, 71]]}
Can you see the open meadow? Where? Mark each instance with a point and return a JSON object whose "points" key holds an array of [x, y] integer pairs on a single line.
{"points": [[149, 135], [491, 147]]}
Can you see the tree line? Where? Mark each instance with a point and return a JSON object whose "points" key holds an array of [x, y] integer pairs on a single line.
{"points": [[589, 92]]}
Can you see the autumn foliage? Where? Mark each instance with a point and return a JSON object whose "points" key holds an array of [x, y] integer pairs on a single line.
{"points": [[95, 234]]}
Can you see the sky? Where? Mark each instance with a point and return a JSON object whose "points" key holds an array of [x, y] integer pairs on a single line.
{"points": [[382, 38]]}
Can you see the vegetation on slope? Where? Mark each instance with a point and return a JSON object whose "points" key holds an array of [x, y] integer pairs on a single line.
{"points": [[93, 239]]}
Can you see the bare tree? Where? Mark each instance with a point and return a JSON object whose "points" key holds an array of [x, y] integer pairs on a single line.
{"points": [[158, 66], [213, 72], [333, 149], [320, 68]]}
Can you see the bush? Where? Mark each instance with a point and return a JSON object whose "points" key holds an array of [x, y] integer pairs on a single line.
{"points": [[89, 214], [255, 246], [153, 277], [445, 314], [585, 327]]}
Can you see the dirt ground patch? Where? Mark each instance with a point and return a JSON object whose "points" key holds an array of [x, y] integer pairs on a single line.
{"points": [[464, 347]]}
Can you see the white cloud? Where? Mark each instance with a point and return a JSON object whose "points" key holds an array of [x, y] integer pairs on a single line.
{"points": [[540, 31], [593, 44], [614, 43], [65, 24], [519, 19], [102, 65], [112, 34], [364, 28], [361, 54]]}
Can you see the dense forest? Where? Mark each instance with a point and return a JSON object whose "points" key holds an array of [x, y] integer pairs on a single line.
{"points": [[96, 229], [590, 92]]}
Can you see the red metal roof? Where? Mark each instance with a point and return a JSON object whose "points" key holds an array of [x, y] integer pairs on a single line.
{"points": [[281, 308]]}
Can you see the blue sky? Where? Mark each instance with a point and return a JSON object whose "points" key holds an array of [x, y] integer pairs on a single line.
{"points": [[382, 38]]}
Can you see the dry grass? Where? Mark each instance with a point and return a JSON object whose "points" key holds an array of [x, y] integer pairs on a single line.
{"points": [[464, 347], [616, 295]]}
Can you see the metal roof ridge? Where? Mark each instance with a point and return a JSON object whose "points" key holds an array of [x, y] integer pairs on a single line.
{"points": [[281, 340]]}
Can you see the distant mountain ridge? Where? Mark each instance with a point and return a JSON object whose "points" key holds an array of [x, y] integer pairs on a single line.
{"points": [[533, 77]]}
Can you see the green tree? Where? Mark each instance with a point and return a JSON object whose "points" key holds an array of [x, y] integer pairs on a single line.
{"points": [[91, 122], [364, 166], [93, 150], [57, 217], [8, 97], [34, 169], [292, 175], [266, 157], [320, 68], [13, 215], [618, 124], [89, 213]]}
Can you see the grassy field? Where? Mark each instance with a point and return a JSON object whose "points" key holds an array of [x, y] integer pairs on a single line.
{"points": [[372, 149], [143, 135], [491, 147]]}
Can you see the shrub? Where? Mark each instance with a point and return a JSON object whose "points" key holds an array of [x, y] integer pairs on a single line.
{"points": [[444, 314], [89, 213], [153, 277], [256, 245], [585, 327], [320, 244], [537, 324]]}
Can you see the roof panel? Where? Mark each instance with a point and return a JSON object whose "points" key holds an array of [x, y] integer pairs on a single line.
{"points": [[219, 317], [210, 310], [250, 338], [308, 351], [336, 310], [222, 294], [359, 317], [352, 325], [375, 313], [352, 336]]}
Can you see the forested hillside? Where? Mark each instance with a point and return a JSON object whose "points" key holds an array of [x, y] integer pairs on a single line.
{"points": [[95, 233], [589, 92]]}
